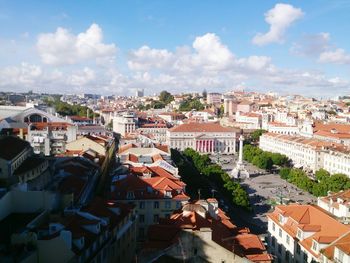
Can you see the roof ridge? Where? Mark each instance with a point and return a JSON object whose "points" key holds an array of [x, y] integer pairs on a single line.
{"points": [[302, 216], [159, 181]]}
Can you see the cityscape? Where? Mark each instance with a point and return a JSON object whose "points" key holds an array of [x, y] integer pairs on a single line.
{"points": [[140, 131]]}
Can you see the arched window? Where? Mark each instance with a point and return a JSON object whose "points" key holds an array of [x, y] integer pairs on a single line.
{"points": [[35, 118]]}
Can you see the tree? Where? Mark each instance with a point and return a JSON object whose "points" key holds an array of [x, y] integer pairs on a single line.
{"points": [[110, 125], [256, 134], [157, 104], [279, 159], [166, 97], [204, 94], [284, 173], [191, 104], [338, 182], [263, 161], [203, 170], [240, 197], [221, 111], [332, 112], [322, 175]]}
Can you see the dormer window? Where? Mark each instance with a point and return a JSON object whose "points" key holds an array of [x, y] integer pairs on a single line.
{"points": [[300, 234], [130, 195], [281, 219], [168, 194]]}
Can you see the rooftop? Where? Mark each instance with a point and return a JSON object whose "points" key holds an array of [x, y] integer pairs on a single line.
{"points": [[11, 146], [29, 164], [201, 127], [321, 226]]}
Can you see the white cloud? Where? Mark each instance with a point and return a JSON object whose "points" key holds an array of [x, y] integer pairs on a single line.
{"points": [[319, 46], [144, 58], [279, 18], [83, 77], [62, 47], [208, 56], [337, 56], [255, 63], [24, 74], [311, 45], [210, 64], [206, 63], [211, 52]]}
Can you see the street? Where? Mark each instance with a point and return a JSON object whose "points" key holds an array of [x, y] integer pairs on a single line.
{"points": [[264, 190]]}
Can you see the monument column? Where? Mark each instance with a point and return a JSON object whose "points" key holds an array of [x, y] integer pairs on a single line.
{"points": [[240, 156], [239, 171]]}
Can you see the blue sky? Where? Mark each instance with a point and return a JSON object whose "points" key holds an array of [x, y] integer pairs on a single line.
{"points": [[288, 47]]}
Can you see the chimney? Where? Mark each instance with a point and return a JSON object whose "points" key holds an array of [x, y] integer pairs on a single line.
{"points": [[213, 208], [21, 133]]}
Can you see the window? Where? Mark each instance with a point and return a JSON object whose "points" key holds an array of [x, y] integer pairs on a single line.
{"points": [[273, 226], [280, 218], [298, 249], [287, 239], [314, 245], [273, 242], [167, 204], [280, 232], [287, 256], [339, 257], [156, 204], [305, 257], [279, 248], [141, 218], [130, 195], [299, 234], [141, 232], [178, 204], [155, 218], [142, 205]]}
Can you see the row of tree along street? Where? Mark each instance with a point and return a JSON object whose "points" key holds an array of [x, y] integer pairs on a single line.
{"points": [[198, 172], [319, 186]]}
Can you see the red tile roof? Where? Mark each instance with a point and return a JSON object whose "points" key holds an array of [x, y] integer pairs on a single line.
{"points": [[102, 208], [342, 243], [224, 232], [311, 219], [201, 127], [79, 118], [148, 188], [73, 184]]}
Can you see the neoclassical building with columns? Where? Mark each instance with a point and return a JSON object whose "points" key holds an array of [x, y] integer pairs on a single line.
{"points": [[203, 137]]}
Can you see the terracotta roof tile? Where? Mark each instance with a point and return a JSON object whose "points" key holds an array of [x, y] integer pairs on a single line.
{"points": [[201, 127]]}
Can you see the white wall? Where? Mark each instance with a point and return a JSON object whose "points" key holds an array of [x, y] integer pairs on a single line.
{"points": [[17, 201]]}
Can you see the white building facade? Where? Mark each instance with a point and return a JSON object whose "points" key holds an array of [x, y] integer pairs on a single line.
{"points": [[203, 137], [303, 152], [299, 233], [309, 154], [124, 124], [338, 204]]}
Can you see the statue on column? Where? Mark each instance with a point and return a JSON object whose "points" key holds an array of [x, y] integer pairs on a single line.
{"points": [[239, 172]]}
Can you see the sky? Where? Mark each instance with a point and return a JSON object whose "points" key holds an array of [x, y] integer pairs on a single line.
{"points": [[115, 47]]}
